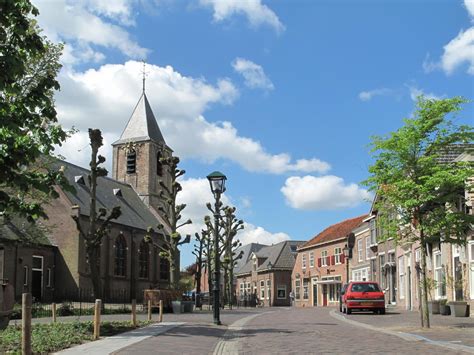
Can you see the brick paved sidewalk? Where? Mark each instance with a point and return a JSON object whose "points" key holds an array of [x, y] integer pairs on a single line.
{"points": [[456, 330]]}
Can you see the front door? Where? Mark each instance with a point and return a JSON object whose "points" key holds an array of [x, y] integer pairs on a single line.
{"points": [[37, 278], [315, 295], [325, 295]]}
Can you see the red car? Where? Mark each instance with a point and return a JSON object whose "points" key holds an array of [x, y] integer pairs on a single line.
{"points": [[363, 296]]}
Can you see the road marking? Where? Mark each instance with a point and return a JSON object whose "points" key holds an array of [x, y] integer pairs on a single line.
{"points": [[229, 345], [403, 335]]}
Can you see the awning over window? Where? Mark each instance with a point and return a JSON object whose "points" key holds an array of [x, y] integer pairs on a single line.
{"points": [[329, 282]]}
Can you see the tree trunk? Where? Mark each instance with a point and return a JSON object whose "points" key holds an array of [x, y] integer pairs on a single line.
{"points": [[231, 283], [424, 307], [94, 267]]}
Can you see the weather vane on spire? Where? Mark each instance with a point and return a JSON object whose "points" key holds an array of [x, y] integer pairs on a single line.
{"points": [[144, 73]]}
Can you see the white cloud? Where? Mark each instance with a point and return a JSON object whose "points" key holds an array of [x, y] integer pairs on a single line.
{"points": [[322, 193], [257, 13], [104, 98], [253, 74], [196, 193], [415, 92], [459, 51], [469, 4], [80, 25], [368, 95]]}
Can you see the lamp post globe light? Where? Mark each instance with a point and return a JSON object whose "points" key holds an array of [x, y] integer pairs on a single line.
{"points": [[217, 183]]}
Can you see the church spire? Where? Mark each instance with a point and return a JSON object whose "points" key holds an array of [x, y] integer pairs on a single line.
{"points": [[144, 75]]}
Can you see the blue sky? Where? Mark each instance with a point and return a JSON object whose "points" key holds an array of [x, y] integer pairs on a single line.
{"points": [[281, 96]]}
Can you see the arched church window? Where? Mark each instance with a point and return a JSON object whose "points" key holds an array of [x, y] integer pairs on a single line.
{"points": [[159, 165], [143, 260], [131, 161], [120, 256]]}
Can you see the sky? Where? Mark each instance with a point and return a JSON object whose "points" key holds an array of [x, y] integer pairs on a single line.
{"points": [[283, 96]]}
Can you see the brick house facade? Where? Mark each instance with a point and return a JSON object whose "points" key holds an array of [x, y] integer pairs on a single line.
{"points": [[320, 267], [267, 275]]}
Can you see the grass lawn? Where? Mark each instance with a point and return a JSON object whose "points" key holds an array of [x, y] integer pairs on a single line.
{"points": [[47, 338]]}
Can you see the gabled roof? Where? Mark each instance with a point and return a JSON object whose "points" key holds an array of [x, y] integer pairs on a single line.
{"points": [[282, 256], [247, 250], [142, 125], [134, 211], [335, 232], [17, 229]]}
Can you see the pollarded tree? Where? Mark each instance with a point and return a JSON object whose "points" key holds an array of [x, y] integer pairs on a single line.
{"points": [[200, 254], [99, 220], [29, 64], [230, 225], [417, 188], [172, 215]]}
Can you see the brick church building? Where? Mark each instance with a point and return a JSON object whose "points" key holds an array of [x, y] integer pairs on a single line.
{"points": [[52, 263]]}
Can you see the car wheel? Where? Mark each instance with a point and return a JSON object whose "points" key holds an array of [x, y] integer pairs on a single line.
{"points": [[343, 309], [382, 311], [376, 311], [348, 311]]}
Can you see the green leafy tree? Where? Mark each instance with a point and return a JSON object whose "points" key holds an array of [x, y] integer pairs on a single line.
{"points": [[97, 227], [418, 190], [172, 215], [29, 64]]}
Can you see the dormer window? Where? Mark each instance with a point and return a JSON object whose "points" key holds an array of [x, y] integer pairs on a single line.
{"points": [[159, 165], [131, 161]]}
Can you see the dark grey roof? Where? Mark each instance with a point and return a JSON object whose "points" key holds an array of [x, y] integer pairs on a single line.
{"points": [[454, 151], [142, 125], [247, 249], [18, 229], [281, 255], [134, 211]]}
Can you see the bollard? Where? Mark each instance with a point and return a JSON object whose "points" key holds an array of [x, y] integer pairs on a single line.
{"points": [[26, 324], [149, 310], [97, 319], [134, 312], [161, 311], [53, 310]]}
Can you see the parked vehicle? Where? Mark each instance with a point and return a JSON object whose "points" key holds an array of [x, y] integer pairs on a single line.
{"points": [[363, 296], [343, 291]]}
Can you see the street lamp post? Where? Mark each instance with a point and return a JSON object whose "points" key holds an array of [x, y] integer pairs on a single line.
{"points": [[347, 254], [269, 284], [217, 182]]}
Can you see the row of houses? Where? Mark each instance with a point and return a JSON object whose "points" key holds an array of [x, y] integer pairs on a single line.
{"points": [[354, 250]]}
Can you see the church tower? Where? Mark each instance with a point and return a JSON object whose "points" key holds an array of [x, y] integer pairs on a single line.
{"points": [[136, 155]]}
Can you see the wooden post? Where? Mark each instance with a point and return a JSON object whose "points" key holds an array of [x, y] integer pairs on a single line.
{"points": [[53, 310], [134, 312], [149, 310], [26, 324], [97, 319], [161, 311]]}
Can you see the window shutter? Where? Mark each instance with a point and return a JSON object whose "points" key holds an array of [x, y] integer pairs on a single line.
{"points": [[342, 258], [319, 262], [333, 260]]}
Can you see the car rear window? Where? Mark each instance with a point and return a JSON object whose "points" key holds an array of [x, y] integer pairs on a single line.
{"points": [[371, 287]]}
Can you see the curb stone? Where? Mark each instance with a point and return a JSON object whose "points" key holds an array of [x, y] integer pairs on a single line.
{"points": [[403, 335]]}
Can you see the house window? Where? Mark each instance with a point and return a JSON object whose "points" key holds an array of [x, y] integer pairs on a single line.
{"points": [[269, 289], [262, 289], [305, 289], [297, 289], [242, 289], [373, 232], [401, 277], [311, 259], [382, 274], [164, 268], [48, 277], [281, 292], [25, 275], [303, 261], [324, 258], [143, 260], [159, 165], [373, 269], [367, 248], [131, 161], [120, 256], [359, 250], [337, 255], [439, 276], [248, 288]]}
